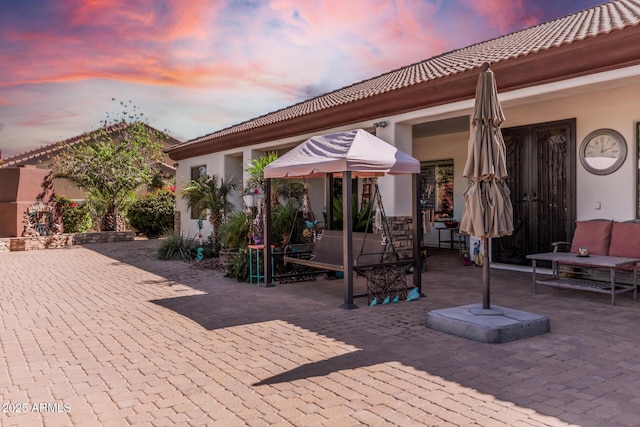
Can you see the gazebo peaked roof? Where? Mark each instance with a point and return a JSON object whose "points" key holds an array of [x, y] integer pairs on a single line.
{"points": [[355, 151], [351, 153]]}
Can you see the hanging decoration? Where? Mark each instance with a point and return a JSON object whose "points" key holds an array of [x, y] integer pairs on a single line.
{"points": [[427, 210], [305, 202], [256, 228], [378, 224], [200, 250], [310, 231]]}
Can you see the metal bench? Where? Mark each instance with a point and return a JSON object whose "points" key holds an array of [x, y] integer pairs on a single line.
{"points": [[368, 249]]}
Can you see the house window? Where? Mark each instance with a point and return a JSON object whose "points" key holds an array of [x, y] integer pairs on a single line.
{"points": [[198, 172], [436, 179]]}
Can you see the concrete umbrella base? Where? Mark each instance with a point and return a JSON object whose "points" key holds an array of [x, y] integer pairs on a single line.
{"points": [[494, 325]]}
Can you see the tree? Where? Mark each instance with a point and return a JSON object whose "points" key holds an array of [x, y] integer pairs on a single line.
{"points": [[113, 162], [209, 193]]}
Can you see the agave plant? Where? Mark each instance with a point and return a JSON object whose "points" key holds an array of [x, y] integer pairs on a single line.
{"points": [[176, 247]]}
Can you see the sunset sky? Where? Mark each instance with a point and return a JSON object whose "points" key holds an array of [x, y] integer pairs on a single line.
{"points": [[197, 66]]}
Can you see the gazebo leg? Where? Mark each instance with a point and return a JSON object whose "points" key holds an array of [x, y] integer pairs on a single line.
{"points": [[417, 234], [347, 240], [268, 240]]}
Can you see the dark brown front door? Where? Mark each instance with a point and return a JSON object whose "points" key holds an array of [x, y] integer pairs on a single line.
{"points": [[541, 167]]}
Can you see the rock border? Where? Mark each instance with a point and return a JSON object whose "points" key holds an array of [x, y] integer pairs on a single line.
{"points": [[13, 244]]}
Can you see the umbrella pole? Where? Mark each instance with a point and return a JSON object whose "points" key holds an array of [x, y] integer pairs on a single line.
{"points": [[486, 285]]}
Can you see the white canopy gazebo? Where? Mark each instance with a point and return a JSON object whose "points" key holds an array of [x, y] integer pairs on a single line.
{"points": [[354, 153]]}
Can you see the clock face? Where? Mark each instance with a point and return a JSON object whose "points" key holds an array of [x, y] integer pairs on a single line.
{"points": [[603, 151]]}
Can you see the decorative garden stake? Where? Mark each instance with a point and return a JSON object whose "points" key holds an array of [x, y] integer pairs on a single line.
{"points": [[200, 251]]}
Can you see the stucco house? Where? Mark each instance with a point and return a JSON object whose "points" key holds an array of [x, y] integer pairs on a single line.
{"points": [[31, 175], [44, 158], [559, 82]]}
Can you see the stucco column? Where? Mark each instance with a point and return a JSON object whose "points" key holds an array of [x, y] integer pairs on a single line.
{"points": [[396, 189], [247, 156], [400, 192]]}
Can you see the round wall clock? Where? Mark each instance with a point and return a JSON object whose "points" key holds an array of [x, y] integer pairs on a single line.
{"points": [[603, 151]]}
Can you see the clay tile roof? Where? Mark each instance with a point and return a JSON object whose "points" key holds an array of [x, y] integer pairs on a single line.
{"points": [[49, 149], [591, 22], [57, 147]]}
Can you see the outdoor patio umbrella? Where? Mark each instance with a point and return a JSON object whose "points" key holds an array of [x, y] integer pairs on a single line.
{"points": [[487, 207]]}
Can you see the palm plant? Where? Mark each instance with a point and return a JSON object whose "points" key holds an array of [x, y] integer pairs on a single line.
{"points": [[235, 230], [210, 194], [282, 188], [256, 170], [289, 191], [361, 218], [282, 222]]}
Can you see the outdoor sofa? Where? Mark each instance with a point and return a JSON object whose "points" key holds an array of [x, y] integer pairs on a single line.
{"points": [[602, 237]]}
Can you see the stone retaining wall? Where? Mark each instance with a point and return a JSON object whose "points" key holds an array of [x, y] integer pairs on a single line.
{"points": [[62, 240]]}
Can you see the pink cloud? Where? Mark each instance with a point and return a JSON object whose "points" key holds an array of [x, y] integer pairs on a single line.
{"points": [[47, 118], [190, 19], [202, 43], [506, 16], [117, 40], [322, 45], [82, 12], [377, 32], [144, 19]]}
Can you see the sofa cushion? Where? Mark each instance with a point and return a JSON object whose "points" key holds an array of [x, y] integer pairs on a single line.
{"points": [[594, 235], [625, 241]]}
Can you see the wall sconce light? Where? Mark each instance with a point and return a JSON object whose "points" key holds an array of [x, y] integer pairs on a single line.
{"points": [[381, 124]]}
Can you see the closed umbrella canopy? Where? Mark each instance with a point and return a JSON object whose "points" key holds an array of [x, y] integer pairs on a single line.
{"points": [[487, 210]]}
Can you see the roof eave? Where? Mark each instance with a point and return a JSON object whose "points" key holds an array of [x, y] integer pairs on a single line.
{"points": [[614, 50]]}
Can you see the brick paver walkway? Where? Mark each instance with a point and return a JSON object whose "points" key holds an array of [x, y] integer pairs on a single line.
{"points": [[106, 335]]}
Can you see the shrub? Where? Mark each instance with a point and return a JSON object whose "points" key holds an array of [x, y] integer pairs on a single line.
{"points": [[153, 213], [75, 216], [282, 222], [208, 246], [176, 247], [235, 230], [238, 266]]}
